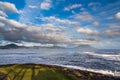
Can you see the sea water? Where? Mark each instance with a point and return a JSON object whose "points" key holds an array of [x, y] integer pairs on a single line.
{"points": [[100, 61]]}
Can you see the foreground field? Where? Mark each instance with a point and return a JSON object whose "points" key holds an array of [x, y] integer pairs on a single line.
{"points": [[46, 72]]}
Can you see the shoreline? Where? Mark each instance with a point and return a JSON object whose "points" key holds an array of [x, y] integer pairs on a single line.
{"points": [[72, 71], [103, 72]]}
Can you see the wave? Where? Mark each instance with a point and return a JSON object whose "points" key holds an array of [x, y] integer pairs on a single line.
{"points": [[105, 72], [105, 56]]}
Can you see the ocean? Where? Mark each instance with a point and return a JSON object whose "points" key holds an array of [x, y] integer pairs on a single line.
{"points": [[96, 60]]}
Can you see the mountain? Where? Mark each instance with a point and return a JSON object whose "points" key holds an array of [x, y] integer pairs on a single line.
{"points": [[10, 46], [85, 46], [48, 47], [81, 46]]}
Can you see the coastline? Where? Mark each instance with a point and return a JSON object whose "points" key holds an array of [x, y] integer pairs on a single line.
{"points": [[79, 74]]}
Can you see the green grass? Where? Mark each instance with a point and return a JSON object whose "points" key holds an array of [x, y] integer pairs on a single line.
{"points": [[35, 72], [46, 72]]}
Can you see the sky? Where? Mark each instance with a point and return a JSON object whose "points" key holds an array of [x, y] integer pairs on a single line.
{"points": [[92, 22]]}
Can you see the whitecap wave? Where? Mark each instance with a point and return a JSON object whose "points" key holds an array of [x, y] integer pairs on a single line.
{"points": [[115, 57], [105, 72]]}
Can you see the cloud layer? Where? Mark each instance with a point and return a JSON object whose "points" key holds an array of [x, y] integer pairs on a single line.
{"points": [[113, 30], [87, 31], [60, 21], [15, 31]]}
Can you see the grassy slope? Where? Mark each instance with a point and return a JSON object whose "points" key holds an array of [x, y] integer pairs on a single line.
{"points": [[36, 72], [44, 72]]}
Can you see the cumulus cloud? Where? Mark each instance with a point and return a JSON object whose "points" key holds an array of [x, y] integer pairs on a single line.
{"points": [[12, 23], [32, 6], [72, 7], [117, 15], [15, 31], [61, 21], [8, 7], [84, 16], [3, 14], [87, 31], [46, 5], [96, 23]]}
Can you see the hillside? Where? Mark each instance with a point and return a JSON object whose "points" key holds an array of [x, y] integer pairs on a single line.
{"points": [[10, 46], [46, 72]]}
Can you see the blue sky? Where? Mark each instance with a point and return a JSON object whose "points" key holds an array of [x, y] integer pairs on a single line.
{"points": [[93, 22]]}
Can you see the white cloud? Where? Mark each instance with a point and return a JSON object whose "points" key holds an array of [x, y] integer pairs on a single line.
{"points": [[2, 25], [84, 16], [87, 31], [12, 30], [72, 7], [113, 30], [114, 26], [46, 5], [61, 21], [51, 18], [12, 23], [94, 5], [50, 28], [82, 9], [96, 23], [8, 7], [84, 41], [113, 33], [117, 15], [32, 6], [3, 14]]}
